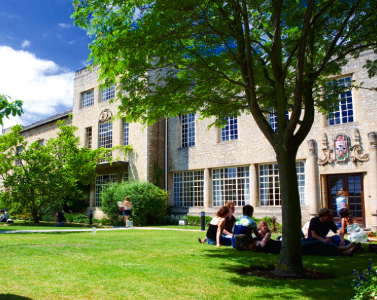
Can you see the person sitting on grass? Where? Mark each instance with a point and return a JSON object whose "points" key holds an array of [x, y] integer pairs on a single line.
{"points": [[268, 245], [59, 219], [243, 229], [356, 234], [320, 226], [215, 232], [229, 221], [4, 216]]}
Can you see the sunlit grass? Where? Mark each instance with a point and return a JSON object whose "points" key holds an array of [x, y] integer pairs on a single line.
{"points": [[154, 264]]}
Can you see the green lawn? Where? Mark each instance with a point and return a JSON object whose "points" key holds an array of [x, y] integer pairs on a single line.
{"points": [[150, 264], [22, 225]]}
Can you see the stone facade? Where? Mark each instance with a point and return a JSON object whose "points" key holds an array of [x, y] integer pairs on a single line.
{"points": [[147, 141], [252, 149]]}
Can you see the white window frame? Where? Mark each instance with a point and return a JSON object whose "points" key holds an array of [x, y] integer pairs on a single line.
{"points": [[188, 188], [108, 93], [87, 98], [336, 117], [269, 183], [89, 137], [188, 130], [105, 135], [231, 184], [126, 133], [230, 130], [101, 182]]}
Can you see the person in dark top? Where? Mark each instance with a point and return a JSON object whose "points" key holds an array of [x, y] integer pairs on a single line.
{"points": [[215, 234], [320, 226], [59, 219], [229, 221]]}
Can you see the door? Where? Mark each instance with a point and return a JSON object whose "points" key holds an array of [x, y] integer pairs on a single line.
{"points": [[353, 185]]}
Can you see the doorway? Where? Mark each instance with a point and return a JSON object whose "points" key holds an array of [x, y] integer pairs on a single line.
{"points": [[353, 185]]}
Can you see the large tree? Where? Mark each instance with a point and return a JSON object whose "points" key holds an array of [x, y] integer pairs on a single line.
{"points": [[222, 58], [38, 179]]}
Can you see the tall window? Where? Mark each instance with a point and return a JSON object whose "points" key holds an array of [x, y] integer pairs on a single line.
{"points": [[231, 184], [106, 135], [125, 176], [188, 130], [40, 142], [19, 150], [126, 131], [108, 93], [88, 137], [101, 182], [230, 131], [87, 98], [188, 188], [272, 119], [269, 184], [343, 112]]}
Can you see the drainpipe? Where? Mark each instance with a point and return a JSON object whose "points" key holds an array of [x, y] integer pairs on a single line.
{"points": [[166, 154]]}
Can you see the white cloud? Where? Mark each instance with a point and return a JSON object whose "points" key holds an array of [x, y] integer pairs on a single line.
{"points": [[64, 25], [72, 42], [25, 43], [45, 88]]}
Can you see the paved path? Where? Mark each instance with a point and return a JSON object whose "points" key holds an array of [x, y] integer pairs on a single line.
{"points": [[97, 230]]}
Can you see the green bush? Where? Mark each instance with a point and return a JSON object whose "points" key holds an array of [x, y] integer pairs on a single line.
{"points": [[196, 220], [148, 202]]}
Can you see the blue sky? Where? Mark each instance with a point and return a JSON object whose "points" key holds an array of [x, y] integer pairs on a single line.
{"points": [[40, 50]]}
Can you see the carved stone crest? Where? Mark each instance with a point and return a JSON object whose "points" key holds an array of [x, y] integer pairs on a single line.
{"points": [[105, 115], [357, 156], [326, 151], [341, 148]]}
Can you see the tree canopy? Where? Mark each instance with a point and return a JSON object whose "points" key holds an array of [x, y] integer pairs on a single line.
{"points": [[38, 179], [222, 58]]}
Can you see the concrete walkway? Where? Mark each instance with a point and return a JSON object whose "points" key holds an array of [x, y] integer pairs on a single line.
{"points": [[97, 230]]}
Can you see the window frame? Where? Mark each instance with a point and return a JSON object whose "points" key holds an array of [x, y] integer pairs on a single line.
{"points": [[126, 133], [342, 108], [274, 184], [108, 93], [221, 181], [184, 190], [87, 102], [187, 130], [230, 131], [99, 187]]}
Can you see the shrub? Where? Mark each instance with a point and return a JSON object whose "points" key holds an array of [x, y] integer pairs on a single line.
{"points": [[49, 217], [148, 202], [196, 220], [70, 217]]}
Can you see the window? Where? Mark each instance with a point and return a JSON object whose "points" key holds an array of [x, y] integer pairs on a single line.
{"points": [[231, 184], [188, 188], [101, 182], [343, 112], [230, 131], [272, 119], [108, 93], [106, 135], [88, 137], [125, 176], [41, 142], [188, 130], [126, 128], [87, 98], [19, 151], [269, 185]]}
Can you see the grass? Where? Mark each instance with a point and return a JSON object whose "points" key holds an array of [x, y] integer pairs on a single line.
{"points": [[150, 264], [23, 225]]}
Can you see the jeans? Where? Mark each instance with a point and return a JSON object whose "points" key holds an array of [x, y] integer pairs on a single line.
{"points": [[225, 240]]}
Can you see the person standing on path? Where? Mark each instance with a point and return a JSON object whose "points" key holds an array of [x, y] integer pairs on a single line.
{"points": [[127, 209]]}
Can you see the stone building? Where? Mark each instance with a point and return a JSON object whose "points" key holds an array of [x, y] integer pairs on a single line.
{"points": [[206, 168], [93, 115]]}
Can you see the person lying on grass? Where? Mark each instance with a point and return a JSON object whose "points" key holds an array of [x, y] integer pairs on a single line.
{"points": [[215, 234], [229, 221], [4, 216]]}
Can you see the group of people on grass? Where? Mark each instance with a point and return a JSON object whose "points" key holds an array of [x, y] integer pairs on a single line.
{"points": [[245, 234]]}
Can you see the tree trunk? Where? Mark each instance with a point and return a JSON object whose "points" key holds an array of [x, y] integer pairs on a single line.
{"points": [[290, 261]]}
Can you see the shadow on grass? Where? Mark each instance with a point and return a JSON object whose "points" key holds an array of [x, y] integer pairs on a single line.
{"points": [[13, 297], [340, 266]]}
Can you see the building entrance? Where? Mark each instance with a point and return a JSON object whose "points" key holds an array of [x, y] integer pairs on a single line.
{"points": [[353, 185]]}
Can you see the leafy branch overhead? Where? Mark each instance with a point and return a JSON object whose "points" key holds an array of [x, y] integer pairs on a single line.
{"points": [[9, 107]]}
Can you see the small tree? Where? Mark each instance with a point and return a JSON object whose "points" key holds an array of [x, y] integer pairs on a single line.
{"points": [[9, 107], [38, 179], [148, 201]]}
